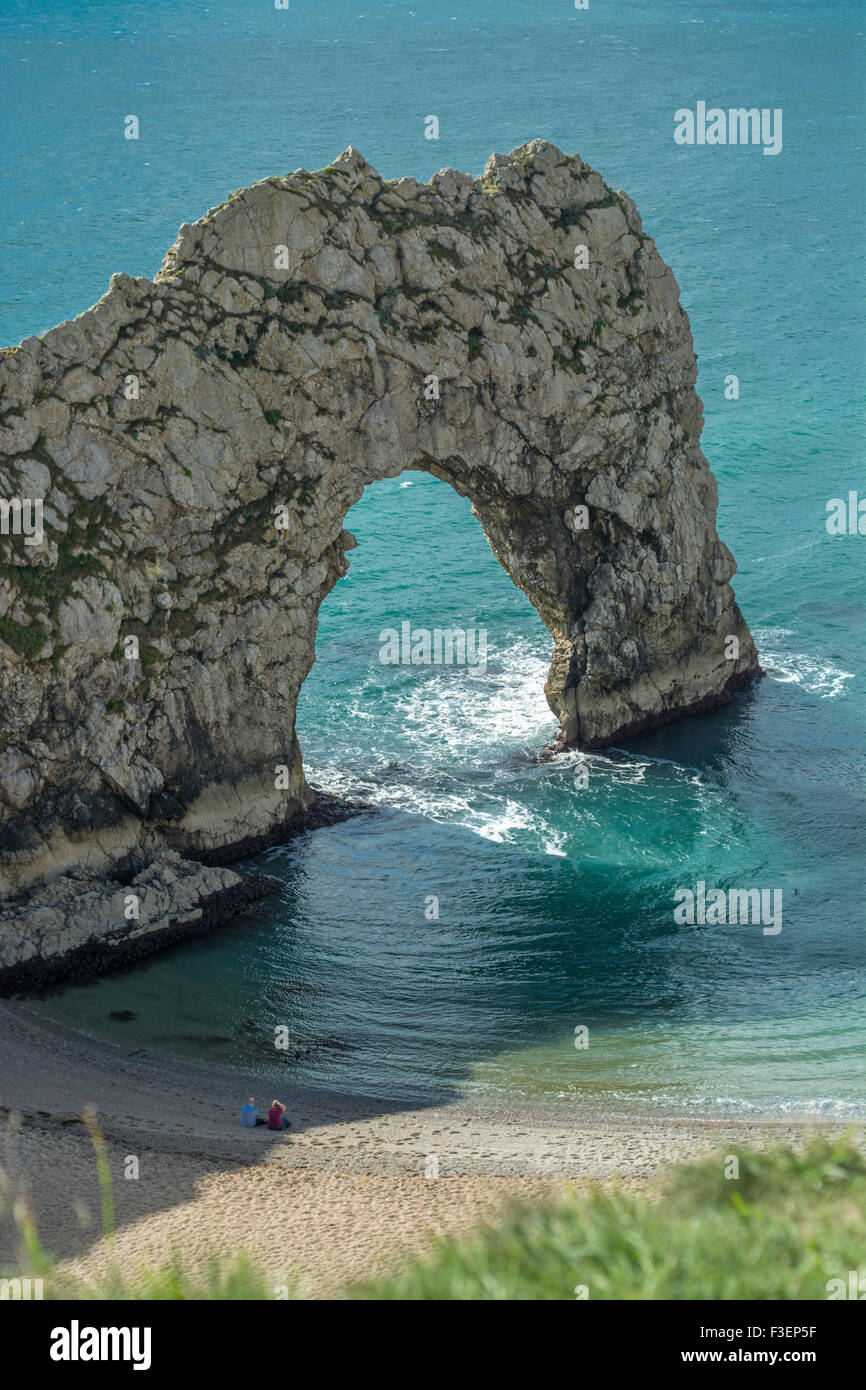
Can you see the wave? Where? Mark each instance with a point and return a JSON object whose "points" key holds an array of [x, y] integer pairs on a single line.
{"points": [[476, 712], [816, 675], [463, 748], [821, 1107], [470, 735]]}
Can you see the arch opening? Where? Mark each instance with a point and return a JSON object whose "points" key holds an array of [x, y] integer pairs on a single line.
{"points": [[198, 439], [430, 665]]}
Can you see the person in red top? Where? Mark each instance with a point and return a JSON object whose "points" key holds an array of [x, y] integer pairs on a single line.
{"points": [[277, 1117]]}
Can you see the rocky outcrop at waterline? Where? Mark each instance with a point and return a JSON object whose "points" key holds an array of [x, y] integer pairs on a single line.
{"points": [[82, 924], [85, 922], [195, 442]]}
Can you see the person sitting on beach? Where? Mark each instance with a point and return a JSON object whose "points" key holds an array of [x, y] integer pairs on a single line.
{"points": [[277, 1117], [250, 1115]]}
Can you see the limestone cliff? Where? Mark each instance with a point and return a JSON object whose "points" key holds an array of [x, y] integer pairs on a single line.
{"points": [[198, 439]]}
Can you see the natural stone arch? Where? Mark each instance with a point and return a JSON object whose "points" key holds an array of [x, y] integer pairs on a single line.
{"points": [[279, 359]]}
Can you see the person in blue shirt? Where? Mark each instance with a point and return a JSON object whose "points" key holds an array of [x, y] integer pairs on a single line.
{"points": [[250, 1115]]}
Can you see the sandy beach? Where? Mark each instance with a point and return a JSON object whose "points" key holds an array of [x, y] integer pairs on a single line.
{"points": [[344, 1189]]}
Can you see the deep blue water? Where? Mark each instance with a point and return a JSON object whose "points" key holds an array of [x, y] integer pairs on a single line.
{"points": [[555, 898]]}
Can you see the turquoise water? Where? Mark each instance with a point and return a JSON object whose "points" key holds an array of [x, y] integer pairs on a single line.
{"points": [[555, 879]]}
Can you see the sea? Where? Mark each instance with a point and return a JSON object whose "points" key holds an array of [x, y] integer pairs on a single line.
{"points": [[501, 927]]}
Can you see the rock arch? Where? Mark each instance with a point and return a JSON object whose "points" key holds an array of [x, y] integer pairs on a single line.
{"points": [[279, 359]]}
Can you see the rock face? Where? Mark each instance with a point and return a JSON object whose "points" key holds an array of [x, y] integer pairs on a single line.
{"points": [[198, 439], [82, 923]]}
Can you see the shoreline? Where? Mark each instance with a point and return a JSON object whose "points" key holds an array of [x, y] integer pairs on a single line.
{"points": [[213, 904], [348, 1177], [102, 955], [54, 1048], [490, 1107]]}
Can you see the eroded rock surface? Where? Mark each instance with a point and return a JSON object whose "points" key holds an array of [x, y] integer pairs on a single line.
{"points": [[277, 365], [83, 923]]}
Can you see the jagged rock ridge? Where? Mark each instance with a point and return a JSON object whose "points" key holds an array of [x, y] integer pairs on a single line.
{"points": [[278, 360]]}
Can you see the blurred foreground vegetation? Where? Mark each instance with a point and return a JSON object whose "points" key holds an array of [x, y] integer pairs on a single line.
{"points": [[781, 1229]]}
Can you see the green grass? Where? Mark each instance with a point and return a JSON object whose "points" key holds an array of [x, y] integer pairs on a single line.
{"points": [[786, 1225], [781, 1230], [234, 1278]]}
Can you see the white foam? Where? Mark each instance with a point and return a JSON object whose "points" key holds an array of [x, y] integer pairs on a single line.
{"points": [[465, 724], [472, 740], [816, 675], [472, 713]]}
